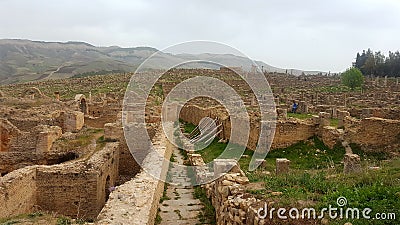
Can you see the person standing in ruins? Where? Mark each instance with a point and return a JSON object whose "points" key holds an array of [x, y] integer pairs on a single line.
{"points": [[294, 107]]}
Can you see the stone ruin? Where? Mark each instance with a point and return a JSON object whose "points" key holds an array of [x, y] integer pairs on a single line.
{"points": [[37, 173]]}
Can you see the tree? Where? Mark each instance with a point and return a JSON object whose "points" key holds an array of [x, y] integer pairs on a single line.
{"points": [[377, 64], [352, 78]]}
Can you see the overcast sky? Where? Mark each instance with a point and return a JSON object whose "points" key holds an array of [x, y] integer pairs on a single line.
{"points": [[303, 34]]}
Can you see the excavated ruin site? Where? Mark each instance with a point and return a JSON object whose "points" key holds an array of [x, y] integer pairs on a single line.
{"points": [[64, 158]]}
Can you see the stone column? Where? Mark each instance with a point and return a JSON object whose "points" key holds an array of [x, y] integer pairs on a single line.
{"points": [[341, 116], [303, 107], [352, 163], [90, 97], [334, 113], [282, 166]]}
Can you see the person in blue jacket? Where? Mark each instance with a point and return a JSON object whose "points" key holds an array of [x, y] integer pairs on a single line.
{"points": [[294, 107]]}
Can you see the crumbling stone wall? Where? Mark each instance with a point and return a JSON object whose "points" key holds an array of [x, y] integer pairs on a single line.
{"points": [[287, 132], [72, 121], [373, 133], [78, 188], [103, 112], [46, 136], [8, 133], [290, 132], [330, 135], [18, 192], [10, 161], [231, 202]]}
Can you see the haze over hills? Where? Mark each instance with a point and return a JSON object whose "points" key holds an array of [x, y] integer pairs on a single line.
{"points": [[25, 60]]}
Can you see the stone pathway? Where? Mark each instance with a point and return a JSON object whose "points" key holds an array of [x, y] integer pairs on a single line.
{"points": [[182, 207]]}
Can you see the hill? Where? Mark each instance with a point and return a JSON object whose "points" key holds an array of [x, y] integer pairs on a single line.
{"points": [[25, 60]]}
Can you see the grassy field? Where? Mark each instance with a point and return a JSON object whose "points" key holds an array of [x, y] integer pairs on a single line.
{"points": [[300, 116]]}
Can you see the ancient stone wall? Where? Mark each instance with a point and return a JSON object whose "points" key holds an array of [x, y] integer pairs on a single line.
{"points": [[290, 132], [370, 133], [101, 113], [330, 135], [18, 192], [8, 134], [373, 133], [10, 161], [287, 132], [78, 188], [231, 202], [72, 121], [136, 201]]}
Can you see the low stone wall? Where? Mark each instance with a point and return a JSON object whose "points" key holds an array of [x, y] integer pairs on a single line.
{"points": [[231, 202], [136, 201], [385, 113], [289, 132], [373, 133]]}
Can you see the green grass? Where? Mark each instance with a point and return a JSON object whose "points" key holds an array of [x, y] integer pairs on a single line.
{"points": [[16, 219], [312, 154], [158, 218], [188, 128], [370, 155], [300, 116], [334, 89], [207, 216], [334, 122], [63, 221]]}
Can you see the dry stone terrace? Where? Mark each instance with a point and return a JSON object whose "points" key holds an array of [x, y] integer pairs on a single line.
{"points": [[62, 147]]}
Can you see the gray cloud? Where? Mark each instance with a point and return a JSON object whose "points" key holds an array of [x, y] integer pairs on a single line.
{"points": [[312, 34]]}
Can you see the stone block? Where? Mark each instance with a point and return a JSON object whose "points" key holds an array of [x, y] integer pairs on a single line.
{"points": [[72, 121], [223, 166], [352, 163], [282, 166], [282, 114], [47, 137], [324, 119]]}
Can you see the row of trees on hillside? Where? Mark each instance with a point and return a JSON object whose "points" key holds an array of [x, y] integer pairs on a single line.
{"points": [[377, 64]]}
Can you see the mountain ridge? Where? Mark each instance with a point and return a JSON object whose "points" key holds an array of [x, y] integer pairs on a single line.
{"points": [[23, 60]]}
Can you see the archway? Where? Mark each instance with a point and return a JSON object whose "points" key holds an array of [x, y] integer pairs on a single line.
{"points": [[81, 103]]}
